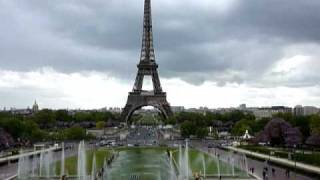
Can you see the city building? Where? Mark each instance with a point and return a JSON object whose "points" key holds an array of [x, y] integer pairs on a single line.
{"points": [[267, 112], [298, 110], [115, 109], [242, 107], [310, 110], [176, 109]]}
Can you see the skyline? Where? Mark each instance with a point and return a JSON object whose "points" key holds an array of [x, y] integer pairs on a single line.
{"points": [[83, 54]]}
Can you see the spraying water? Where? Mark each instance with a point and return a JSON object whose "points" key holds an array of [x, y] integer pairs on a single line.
{"points": [[232, 161], [218, 166], [246, 164], [186, 157], [47, 164], [21, 166], [204, 166], [82, 168], [41, 163], [172, 171], [93, 169], [34, 164], [62, 170]]}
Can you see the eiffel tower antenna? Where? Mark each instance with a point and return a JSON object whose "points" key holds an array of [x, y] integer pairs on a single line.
{"points": [[147, 67]]}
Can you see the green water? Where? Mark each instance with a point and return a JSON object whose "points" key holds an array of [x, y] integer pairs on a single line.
{"points": [[139, 163], [154, 164], [151, 164]]}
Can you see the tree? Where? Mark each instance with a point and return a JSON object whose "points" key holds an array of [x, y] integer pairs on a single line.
{"points": [[14, 127], [241, 126], [76, 133], [315, 124], [63, 115], [170, 120], [45, 118], [285, 116], [280, 132], [187, 129], [202, 132], [259, 125], [100, 124], [82, 116]]}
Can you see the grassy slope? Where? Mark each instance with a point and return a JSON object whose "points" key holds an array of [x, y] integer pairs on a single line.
{"points": [[71, 162]]}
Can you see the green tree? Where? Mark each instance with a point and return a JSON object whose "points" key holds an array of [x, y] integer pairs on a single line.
{"points": [[45, 118], [82, 116], [241, 126], [202, 132], [13, 126], [76, 133], [286, 116], [100, 124], [315, 124], [63, 115], [187, 129], [259, 125]]}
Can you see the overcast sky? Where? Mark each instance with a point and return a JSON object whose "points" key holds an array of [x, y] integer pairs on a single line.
{"points": [[215, 53]]}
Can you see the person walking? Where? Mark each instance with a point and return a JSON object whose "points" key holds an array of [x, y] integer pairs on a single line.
{"points": [[273, 172], [287, 173]]}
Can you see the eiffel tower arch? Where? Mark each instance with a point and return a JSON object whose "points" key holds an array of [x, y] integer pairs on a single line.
{"points": [[147, 66]]}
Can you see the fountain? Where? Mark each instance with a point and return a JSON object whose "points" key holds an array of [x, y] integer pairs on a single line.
{"points": [[232, 166], [62, 168], [184, 167], [82, 166], [186, 157], [34, 164], [22, 166], [41, 163], [173, 175], [48, 159], [93, 169], [204, 166], [218, 165], [143, 163]]}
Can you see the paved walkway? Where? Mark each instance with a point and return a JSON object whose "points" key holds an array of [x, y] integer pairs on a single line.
{"points": [[286, 162], [258, 166], [16, 157]]}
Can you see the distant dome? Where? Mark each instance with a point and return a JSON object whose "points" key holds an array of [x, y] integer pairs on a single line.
{"points": [[35, 107]]}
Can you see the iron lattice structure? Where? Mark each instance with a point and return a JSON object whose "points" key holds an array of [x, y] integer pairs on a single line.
{"points": [[147, 67]]}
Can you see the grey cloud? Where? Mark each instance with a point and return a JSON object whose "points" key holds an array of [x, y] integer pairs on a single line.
{"points": [[194, 44]]}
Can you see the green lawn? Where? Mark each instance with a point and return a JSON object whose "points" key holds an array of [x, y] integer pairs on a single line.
{"points": [[211, 164], [71, 162]]}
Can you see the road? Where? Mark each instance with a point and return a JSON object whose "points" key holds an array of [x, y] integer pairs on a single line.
{"points": [[143, 135]]}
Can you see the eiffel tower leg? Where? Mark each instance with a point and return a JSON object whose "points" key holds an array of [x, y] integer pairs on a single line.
{"points": [[125, 114], [166, 110], [138, 83], [156, 82]]}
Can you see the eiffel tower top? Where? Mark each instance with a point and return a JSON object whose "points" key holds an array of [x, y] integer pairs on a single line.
{"points": [[147, 51]]}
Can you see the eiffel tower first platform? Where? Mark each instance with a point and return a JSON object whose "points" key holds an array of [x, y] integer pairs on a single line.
{"points": [[147, 67]]}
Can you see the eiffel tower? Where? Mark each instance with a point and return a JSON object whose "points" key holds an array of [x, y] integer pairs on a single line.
{"points": [[147, 67]]}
